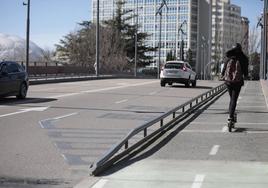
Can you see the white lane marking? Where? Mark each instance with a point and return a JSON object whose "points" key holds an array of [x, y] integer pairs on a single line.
{"points": [[65, 95], [122, 84], [103, 89], [100, 183], [214, 150], [257, 132], [153, 93], [117, 87], [65, 116], [37, 109], [198, 181], [224, 129], [238, 123], [122, 101], [10, 114]]}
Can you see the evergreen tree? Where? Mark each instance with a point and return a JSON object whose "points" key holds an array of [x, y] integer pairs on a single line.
{"points": [[127, 31], [170, 56]]}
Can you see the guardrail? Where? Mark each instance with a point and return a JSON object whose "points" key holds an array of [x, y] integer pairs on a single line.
{"points": [[114, 154]]}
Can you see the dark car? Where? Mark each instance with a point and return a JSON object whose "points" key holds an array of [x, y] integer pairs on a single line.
{"points": [[13, 80]]}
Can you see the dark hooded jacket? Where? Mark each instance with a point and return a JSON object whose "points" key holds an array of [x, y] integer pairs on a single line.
{"points": [[237, 53]]}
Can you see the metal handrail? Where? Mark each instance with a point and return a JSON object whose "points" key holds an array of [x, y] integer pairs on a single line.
{"points": [[124, 142]]}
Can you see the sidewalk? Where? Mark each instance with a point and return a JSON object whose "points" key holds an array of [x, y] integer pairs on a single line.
{"points": [[264, 84], [204, 154]]}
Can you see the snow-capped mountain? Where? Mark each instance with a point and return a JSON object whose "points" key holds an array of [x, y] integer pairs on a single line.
{"points": [[13, 48]]}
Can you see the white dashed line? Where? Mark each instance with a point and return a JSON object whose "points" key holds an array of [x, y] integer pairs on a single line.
{"points": [[36, 109], [122, 101], [103, 89], [65, 95], [153, 93], [65, 116], [214, 150], [198, 181]]}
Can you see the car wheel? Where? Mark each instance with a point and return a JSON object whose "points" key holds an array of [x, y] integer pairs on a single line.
{"points": [[194, 83], [170, 83], [23, 91], [163, 84], [187, 84]]}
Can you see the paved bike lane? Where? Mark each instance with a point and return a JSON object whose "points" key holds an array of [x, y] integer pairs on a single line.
{"points": [[204, 153]]}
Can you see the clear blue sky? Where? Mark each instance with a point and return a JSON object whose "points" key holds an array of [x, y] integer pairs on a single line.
{"points": [[52, 19]]}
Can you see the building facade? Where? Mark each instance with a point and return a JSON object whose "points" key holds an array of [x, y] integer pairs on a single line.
{"points": [[182, 20], [228, 28], [245, 34]]}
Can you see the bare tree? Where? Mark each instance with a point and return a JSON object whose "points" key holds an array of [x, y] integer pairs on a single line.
{"points": [[48, 54]]}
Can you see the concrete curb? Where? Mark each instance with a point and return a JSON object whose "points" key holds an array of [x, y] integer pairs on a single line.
{"points": [[82, 78], [74, 79]]}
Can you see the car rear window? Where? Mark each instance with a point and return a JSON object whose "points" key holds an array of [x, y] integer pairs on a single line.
{"points": [[174, 66]]}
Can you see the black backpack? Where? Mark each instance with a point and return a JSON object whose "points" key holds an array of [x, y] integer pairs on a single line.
{"points": [[233, 72]]}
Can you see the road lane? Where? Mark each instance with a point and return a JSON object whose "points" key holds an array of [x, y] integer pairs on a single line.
{"points": [[62, 141], [238, 159]]}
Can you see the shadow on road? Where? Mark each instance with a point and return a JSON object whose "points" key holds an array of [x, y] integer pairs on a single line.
{"points": [[245, 130], [145, 151], [197, 87], [13, 101]]}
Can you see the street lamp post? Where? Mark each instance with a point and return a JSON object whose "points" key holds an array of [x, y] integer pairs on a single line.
{"points": [[265, 40], [204, 46], [202, 60], [136, 38], [159, 12], [98, 39], [263, 24], [206, 67], [182, 41], [27, 34]]}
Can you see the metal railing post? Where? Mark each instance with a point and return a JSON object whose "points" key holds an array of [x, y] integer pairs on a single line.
{"points": [[145, 132]]}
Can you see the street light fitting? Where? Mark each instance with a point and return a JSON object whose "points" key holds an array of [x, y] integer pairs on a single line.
{"points": [[260, 22], [180, 28], [159, 11]]}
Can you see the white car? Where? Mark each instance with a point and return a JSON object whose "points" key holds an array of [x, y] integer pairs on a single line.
{"points": [[177, 72]]}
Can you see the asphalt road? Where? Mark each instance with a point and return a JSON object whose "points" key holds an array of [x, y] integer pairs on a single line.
{"points": [[200, 152], [51, 138]]}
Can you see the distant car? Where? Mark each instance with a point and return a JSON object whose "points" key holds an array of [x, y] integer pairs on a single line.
{"points": [[13, 80], [177, 72]]}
